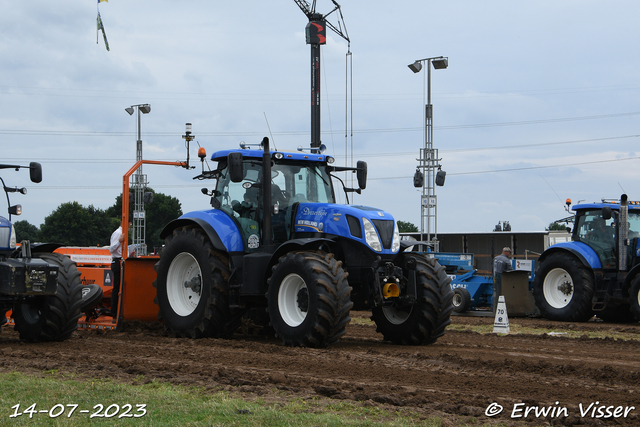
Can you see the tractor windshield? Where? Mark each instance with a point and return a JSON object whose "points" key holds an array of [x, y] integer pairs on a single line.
{"points": [[595, 231], [291, 182], [301, 182]]}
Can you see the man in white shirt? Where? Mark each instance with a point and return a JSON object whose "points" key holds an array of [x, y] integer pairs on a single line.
{"points": [[117, 238]]}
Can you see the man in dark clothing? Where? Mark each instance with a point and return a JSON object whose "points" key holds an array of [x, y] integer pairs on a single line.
{"points": [[502, 263]]}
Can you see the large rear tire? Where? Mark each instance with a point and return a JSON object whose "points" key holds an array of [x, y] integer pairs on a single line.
{"points": [[426, 320], [309, 299], [634, 297], [52, 317], [563, 288], [192, 286]]}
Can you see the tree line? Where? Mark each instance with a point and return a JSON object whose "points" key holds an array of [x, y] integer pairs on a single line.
{"points": [[72, 224]]}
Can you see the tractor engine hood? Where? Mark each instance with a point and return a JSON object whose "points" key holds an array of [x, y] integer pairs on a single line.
{"points": [[373, 227]]}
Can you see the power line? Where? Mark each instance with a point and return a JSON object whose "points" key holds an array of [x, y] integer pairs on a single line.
{"points": [[519, 169], [337, 132]]}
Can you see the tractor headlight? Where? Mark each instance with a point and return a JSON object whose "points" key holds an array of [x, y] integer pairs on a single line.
{"points": [[371, 236], [395, 246], [12, 240]]}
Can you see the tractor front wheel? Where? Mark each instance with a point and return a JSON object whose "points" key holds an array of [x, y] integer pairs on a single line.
{"points": [[309, 299], [563, 288], [425, 321], [191, 286], [634, 297], [52, 317]]}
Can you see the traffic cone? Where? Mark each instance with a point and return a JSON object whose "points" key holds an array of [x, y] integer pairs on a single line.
{"points": [[501, 323]]}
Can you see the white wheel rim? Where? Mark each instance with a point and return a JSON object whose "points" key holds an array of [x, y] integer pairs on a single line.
{"points": [[558, 288], [395, 316], [457, 299], [183, 269], [288, 300]]}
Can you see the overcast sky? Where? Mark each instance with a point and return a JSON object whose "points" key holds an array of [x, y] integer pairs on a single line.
{"points": [[540, 101]]}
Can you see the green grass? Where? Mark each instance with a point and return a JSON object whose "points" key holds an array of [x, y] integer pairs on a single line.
{"points": [[171, 405]]}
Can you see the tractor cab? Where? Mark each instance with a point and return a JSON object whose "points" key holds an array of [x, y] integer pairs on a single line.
{"points": [[599, 226], [294, 179]]}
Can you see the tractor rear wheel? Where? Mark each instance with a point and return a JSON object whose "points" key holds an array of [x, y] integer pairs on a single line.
{"points": [[309, 299], [563, 288], [192, 286], [634, 297], [52, 317], [425, 321]]}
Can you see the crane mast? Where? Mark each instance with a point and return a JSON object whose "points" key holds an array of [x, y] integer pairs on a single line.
{"points": [[316, 35]]}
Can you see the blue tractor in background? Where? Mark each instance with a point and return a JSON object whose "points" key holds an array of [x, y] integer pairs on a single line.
{"points": [[597, 272], [42, 289], [276, 243]]}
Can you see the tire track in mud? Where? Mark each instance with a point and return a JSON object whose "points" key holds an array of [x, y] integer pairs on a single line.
{"points": [[459, 376]]}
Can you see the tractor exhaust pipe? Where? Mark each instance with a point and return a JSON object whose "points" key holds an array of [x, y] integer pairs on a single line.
{"points": [[267, 209], [623, 233]]}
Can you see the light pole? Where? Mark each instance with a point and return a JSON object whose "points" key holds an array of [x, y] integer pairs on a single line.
{"points": [[429, 160], [139, 183]]}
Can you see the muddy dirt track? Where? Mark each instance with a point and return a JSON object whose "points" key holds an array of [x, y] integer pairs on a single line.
{"points": [[460, 378]]}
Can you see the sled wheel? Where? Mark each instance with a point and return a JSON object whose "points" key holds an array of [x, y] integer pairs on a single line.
{"points": [[52, 317], [425, 321], [563, 288], [309, 299], [191, 286], [461, 300]]}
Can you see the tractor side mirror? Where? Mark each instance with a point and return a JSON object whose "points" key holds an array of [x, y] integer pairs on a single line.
{"points": [[361, 174], [35, 172], [234, 163], [606, 212]]}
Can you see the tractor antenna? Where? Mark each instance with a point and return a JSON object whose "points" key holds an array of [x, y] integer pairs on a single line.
{"points": [[269, 127]]}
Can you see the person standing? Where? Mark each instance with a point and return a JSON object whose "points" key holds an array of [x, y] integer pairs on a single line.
{"points": [[117, 239], [502, 263]]}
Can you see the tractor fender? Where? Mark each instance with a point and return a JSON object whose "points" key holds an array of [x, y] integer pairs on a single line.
{"points": [[298, 244], [221, 230], [583, 252]]}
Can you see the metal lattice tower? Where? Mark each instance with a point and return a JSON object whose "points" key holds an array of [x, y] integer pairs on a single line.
{"points": [[139, 184]]}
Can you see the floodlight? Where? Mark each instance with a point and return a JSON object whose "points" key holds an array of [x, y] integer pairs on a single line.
{"points": [[129, 110], [440, 63], [146, 108], [415, 67]]}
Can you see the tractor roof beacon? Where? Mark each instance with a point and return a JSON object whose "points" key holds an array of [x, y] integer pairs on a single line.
{"points": [[275, 239], [42, 289], [597, 272]]}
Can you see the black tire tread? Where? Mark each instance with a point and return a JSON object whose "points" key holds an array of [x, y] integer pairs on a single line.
{"points": [[334, 297], [434, 307], [215, 322], [59, 312], [579, 310]]}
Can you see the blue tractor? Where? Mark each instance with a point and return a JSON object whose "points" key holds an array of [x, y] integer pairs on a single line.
{"points": [[276, 244], [42, 289], [597, 272]]}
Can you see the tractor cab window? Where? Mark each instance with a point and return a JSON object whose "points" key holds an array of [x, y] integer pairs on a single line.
{"points": [[241, 201], [593, 230], [292, 183], [301, 182], [634, 224]]}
